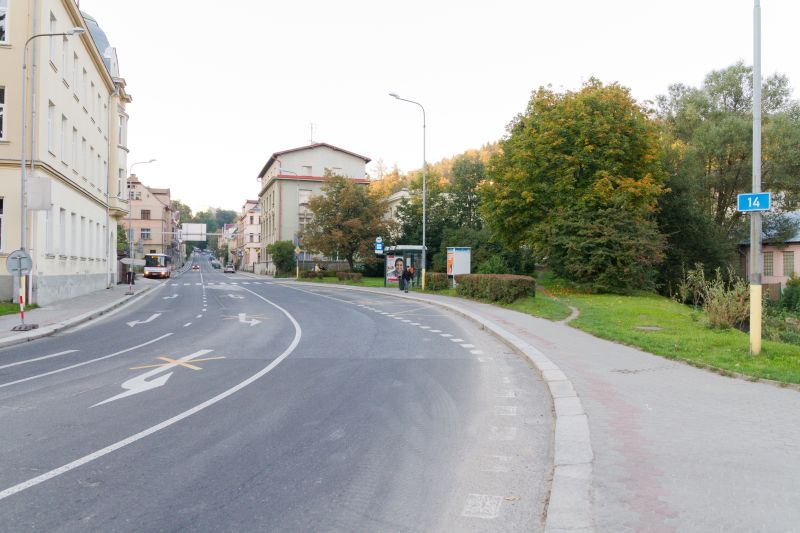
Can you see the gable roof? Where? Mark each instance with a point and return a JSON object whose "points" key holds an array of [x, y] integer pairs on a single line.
{"points": [[277, 155]]}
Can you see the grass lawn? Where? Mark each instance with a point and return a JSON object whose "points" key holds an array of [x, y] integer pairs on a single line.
{"points": [[365, 282], [673, 331], [9, 308]]}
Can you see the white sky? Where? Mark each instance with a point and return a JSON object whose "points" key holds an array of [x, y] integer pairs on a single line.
{"points": [[219, 86]]}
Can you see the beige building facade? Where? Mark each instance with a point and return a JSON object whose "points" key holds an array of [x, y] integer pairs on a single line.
{"points": [[76, 149], [289, 180], [248, 236], [151, 217]]}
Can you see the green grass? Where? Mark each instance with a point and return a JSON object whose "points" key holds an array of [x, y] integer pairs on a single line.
{"points": [[542, 306], [365, 282], [10, 308], [682, 336]]}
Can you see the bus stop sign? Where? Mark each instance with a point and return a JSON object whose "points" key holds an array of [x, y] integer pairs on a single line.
{"points": [[19, 263]]}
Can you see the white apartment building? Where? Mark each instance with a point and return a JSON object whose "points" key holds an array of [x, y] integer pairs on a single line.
{"points": [[289, 180], [75, 149]]}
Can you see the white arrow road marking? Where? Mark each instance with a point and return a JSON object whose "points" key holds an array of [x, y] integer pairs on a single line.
{"points": [[243, 318], [152, 317], [140, 383], [169, 297], [236, 296]]}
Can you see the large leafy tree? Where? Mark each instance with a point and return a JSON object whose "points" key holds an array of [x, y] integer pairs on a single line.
{"points": [[707, 139], [346, 221], [579, 156]]}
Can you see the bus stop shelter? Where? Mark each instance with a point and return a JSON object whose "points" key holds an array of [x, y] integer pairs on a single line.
{"points": [[412, 256]]}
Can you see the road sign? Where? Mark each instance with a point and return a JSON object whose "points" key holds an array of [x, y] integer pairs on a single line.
{"points": [[240, 253], [378, 240], [756, 201], [19, 263], [379, 248], [297, 251]]}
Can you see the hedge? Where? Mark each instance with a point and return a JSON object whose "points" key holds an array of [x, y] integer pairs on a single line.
{"points": [[436, 281], [352, 276], [495, 287]]}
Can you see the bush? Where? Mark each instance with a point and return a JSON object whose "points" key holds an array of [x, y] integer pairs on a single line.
{"points": [[436, 281], [342, 276], [351, 276], [725, 301], [356, 277], [495, 287], [310, 274], [790, 299]]}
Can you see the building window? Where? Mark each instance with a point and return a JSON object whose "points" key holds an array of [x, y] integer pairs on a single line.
{"points": [[63, 139], [74, 148], [145, 214], [788, 263], [768, 265], [51, 136], [306, 171], [145, 235], [84, 156], [251, 219], [75, 74], [123, 123], [251, 237], [2, 110], [52, 39], [134, 195], [62, 231], [73, 232], [120, 179], [3, 21], [305, 196], [84, 88], [64, 56]]}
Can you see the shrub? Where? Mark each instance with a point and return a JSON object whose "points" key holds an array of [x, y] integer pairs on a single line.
{"points": [[725, 301], [310, 274], [790, 299], [436, 281], [356, 277], [342, 276], [495, 287]]}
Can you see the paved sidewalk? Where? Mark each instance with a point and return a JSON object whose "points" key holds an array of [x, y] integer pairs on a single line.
{"points": [[71, 312], [676, 448]]}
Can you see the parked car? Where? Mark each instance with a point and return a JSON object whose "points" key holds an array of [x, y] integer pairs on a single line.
{"points": [[229, 269], [216, 264]]}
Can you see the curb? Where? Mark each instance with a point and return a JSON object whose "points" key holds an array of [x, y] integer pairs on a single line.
{"points": [[74, 321], [570, 504]]}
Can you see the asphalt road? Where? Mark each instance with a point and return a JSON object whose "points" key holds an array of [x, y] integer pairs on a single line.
{"points": [[229, 403]]}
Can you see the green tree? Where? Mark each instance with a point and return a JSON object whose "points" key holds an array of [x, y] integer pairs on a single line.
{"points": [[282, 253], [122, 240], [183, 209], [346, 221], [577, 156]]}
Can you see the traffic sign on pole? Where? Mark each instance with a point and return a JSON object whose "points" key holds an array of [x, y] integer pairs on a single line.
{"points": [[19, 263], [755, 201]]}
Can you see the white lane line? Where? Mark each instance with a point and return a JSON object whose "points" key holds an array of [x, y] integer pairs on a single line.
{"points": [[414, 324], [199, 316], [467, 345], [186, 284], [457, 340], [445, 335], [38, 359], [476, 352], [187, 324], [406, 320], [166, 423], [126, 350], [436, 331], [198, 283], [424, 327]]}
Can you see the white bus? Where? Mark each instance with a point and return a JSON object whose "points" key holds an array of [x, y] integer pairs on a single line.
{"points": [[156, 266]]}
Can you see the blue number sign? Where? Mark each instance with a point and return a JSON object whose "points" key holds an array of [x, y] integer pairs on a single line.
{"points": [[756, 201]]}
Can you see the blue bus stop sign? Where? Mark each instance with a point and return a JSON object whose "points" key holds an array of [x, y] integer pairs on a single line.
{"points": [[755, 201]]}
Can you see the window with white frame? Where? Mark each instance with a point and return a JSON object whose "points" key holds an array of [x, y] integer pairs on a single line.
{"points": [[51, 134], [52, 39], [120, 179], [3, 21], [90, 165], [2, 111], [75, 73], [63, 139], [48, 232], [84, 89], [145, 234], [84, 156], [62, 231], [82, 243], [74, 149], [73, 234], [64, 56], [305, 196], [123, 126]]}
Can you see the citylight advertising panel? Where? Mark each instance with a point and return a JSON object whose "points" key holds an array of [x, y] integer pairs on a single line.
{"points": [[395, 266]]}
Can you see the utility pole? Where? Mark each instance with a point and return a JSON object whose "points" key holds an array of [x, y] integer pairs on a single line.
{"points": [[755, 216]]}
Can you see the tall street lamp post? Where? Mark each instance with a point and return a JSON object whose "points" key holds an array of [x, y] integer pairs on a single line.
{"points": [[755, 216], [130, 222], [23, 157], [424, 183]]}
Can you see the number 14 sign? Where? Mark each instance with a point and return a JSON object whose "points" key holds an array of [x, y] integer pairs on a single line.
{"points": [[756, 201]]}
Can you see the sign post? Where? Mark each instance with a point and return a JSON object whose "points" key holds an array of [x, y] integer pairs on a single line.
{"points": [[20, 264]]}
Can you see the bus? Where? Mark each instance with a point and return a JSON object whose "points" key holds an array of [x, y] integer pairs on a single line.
{"points": [[156, 266]]}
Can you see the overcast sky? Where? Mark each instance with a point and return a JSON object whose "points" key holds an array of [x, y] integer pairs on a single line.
{"points": [[219, 86]]}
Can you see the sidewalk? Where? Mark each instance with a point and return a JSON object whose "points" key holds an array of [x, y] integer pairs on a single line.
{"points": [[675, 448], [67, 313]]}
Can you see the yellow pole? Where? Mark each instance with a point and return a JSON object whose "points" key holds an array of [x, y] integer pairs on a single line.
{"points": [[755, 319]]}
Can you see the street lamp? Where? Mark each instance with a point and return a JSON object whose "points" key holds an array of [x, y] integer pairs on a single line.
{"points": [[23, 157], [424, 181], [130, 222]]}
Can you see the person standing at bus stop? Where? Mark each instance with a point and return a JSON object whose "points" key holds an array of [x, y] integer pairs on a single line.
{"points": [[405, 279]]}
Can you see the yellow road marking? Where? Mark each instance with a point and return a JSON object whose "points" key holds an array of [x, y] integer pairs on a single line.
{"points": [[176, 362]]}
